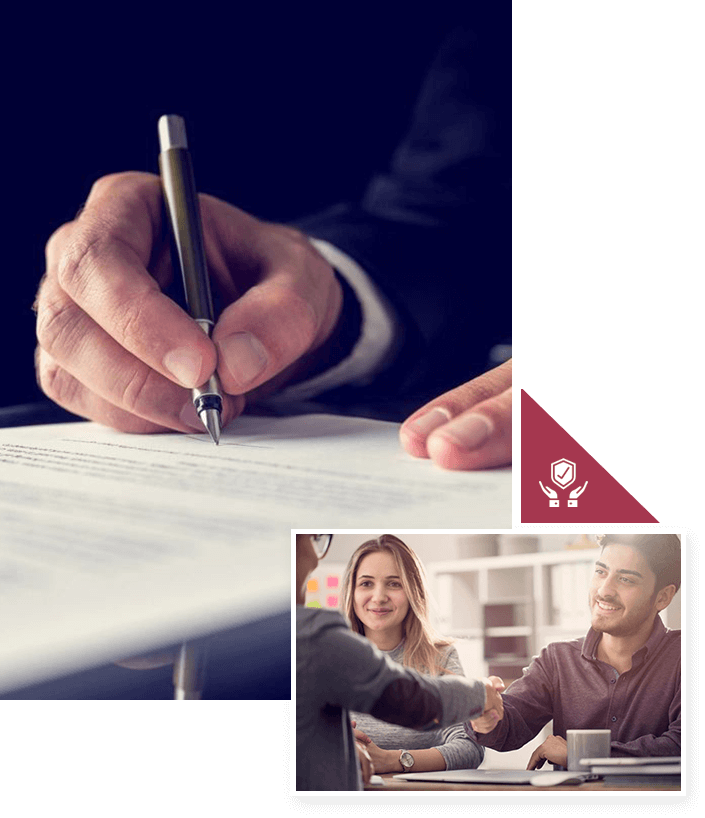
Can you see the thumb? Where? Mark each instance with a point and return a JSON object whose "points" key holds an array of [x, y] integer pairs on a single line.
{"points": [[260, 334], [290, 310]]}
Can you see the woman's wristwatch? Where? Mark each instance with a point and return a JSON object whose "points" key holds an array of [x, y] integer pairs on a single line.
{"points": [[406, 760]]}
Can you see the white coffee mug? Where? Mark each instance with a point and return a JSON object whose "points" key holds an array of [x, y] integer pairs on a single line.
{"points": [[587, 744]]}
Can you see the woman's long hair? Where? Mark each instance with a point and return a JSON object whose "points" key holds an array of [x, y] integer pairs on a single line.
{"points": [[423, 648]]}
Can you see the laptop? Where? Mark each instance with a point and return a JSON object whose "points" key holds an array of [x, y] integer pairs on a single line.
{"points": [[496, 776]]}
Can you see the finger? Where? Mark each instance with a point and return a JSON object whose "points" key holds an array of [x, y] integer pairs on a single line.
{"points": [[101, 263], [536, 761], [494, 705], [69, 392], [89, 373], [366, 764], [483, 724], [290, 312], [480, 438], [497, 683], [466, 428]]}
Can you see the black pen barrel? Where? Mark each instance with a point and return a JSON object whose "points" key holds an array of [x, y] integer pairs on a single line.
{"points": [[181, 200]]}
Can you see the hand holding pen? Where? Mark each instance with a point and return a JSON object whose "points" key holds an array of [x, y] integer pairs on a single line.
{"points": [[115, 349]]}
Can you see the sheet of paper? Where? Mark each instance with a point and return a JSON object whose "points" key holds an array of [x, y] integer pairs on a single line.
{"points": [[111, 544]]}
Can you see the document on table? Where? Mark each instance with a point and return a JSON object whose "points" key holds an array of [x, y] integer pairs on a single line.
{"points": [[113, 544]]}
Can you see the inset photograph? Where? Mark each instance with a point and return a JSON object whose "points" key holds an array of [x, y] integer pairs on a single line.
{"points": [[487, 661]]}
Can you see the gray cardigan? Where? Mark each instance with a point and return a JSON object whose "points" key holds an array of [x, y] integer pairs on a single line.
{"points": [[459, 750], [338, 671]]}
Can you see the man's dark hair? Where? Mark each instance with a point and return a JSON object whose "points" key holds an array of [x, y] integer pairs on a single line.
{"points": [[662, 552]]}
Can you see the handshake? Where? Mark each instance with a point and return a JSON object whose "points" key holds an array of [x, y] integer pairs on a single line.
{"points": [[494, 709]]}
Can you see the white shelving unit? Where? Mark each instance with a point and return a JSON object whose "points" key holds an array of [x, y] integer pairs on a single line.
{"points": [[505, 608]]}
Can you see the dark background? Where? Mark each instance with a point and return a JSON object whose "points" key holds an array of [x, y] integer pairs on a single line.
{"points": [[290, 111], [287, 113]]}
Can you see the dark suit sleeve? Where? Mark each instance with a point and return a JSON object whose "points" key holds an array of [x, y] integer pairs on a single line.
{"points": [[433, 230]]}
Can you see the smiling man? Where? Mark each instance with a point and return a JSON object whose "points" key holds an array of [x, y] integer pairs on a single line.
{"points": [[624, 675]]}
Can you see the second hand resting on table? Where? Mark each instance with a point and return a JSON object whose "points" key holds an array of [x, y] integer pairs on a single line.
{"points": [[115, 349], [553, 750], [387, 761]]}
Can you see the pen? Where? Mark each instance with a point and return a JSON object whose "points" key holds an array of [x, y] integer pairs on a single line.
{"points": [[181, 200], [189, 670]]}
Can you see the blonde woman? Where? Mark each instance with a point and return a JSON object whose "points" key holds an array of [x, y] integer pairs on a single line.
{"points": [[385, 600]]}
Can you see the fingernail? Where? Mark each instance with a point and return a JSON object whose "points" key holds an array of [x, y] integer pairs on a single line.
{"points": [[189, 416], [425, 424], [185, 365], [244, 357], [469, 432]]}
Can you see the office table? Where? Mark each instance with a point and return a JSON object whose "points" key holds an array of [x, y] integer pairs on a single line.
{"points": [[644, 784]]}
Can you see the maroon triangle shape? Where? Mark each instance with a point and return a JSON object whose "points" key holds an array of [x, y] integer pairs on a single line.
{"points": [[550, 456]]}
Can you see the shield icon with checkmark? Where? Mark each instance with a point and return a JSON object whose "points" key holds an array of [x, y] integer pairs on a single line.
{"points": [[563, 473]]}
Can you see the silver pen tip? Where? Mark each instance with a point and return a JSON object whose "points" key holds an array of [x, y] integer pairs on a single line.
{"points": [[211, 420]]}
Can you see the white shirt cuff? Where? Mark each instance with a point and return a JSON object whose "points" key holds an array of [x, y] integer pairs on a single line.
{"points": [[377, 333]]}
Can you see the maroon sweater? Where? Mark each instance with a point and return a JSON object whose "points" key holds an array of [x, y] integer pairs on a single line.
{"points": [[567, 683]]}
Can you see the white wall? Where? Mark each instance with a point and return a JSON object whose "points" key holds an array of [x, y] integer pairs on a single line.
{"points": [[431, 547]]}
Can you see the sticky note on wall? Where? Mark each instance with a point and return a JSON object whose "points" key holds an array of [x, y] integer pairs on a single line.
{"points": [[323, 587]]}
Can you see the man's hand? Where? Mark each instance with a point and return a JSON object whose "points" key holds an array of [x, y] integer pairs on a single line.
{"points": [[494, 707], [362, 742], [115, 349], [367, 767], [361, 737], [383, 761], [469, 427], [554, 749]]}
